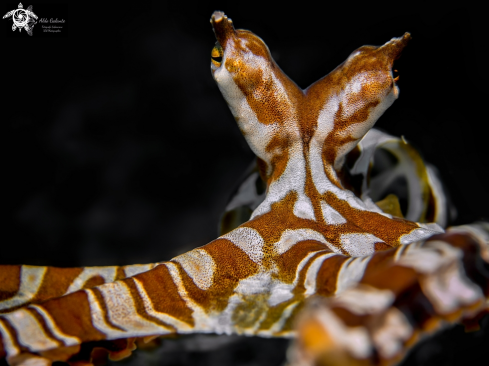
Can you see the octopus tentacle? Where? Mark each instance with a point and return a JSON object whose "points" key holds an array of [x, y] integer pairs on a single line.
{"points": [[440, 281], [315, 232], [21, 285]]}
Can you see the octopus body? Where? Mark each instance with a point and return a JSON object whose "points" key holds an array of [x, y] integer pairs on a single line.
{"points": [[312, 257]]}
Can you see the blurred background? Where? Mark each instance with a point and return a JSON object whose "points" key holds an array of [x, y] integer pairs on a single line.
{"points": [[121, 150]]}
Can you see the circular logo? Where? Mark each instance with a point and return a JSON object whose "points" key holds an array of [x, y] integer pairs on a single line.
{"points": [[20, 17]]}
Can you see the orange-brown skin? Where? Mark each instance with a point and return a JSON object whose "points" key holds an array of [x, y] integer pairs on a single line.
{"points": [[277, 106], [10, 280], [415, 307], [302, 240], [275, 100]]}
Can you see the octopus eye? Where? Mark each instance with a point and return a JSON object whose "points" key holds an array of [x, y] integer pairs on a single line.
{"points": [[216, 55]]}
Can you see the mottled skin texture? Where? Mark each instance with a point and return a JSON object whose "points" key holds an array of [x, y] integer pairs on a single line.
{"points": [[310, 235], [303, 136], [379, 319]]}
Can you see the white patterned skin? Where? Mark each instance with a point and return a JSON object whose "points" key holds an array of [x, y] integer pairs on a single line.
{"points": [[311, 235], [302, 137], [440, 285]]}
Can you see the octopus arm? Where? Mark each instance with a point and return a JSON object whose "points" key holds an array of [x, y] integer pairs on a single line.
{"points": [[417, 291]]}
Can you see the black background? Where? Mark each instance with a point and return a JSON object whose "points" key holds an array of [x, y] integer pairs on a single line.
{"points": [[120, 148]]}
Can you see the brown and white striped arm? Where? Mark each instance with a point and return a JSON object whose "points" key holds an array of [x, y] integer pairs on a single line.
{"points": [[21, 285], [409, 293], [314, 233]]}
